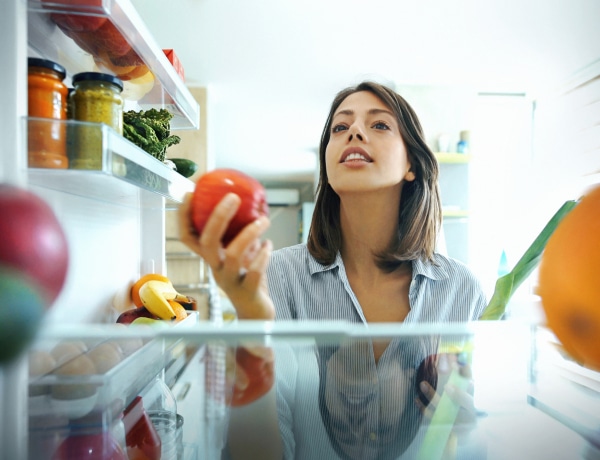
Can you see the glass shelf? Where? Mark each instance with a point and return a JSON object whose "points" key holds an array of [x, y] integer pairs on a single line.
{"points": [[310, 357], [121, 173], [149, 78], [455, 213], [562, 388], [451, 157]]}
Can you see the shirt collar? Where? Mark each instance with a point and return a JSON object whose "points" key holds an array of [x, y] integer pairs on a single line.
{"points": [[429, 269], [316, 267], [422, 267]]}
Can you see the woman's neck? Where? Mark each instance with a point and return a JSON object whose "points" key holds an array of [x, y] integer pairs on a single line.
{"points": [[368, 224]]}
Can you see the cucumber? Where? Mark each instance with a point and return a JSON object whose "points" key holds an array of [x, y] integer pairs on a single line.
{"points": [[184, 166]]}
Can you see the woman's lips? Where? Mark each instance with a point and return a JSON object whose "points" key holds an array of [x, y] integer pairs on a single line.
{"points": [[355, 154]]}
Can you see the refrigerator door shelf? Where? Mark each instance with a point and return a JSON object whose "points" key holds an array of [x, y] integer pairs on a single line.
{"points": [[104, 395], [150, 79], [121, 172]]}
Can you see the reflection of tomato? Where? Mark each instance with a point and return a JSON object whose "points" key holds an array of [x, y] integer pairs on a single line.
{"points": [[78, 22], [106, 42], [260, 377], [85, 40], [126, 67], [110, 39]]}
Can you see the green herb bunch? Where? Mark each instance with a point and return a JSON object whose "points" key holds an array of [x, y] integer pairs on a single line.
{"points": [[150, 130]]}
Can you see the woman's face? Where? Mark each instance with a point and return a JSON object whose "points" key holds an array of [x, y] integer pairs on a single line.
{"points": [[365, 151]]}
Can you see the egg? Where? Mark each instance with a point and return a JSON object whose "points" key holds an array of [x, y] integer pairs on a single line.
{"points": [[105, 356], [129, 345], [82, 366], [40, 363], [65, 351]]}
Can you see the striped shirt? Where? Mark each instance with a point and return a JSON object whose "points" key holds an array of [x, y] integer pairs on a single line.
{"points": [[334, 401], [303, 289]]}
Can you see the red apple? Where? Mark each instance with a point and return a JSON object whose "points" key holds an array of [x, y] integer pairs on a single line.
{"points": [[33, 241], [128, 316], [214, 185]]}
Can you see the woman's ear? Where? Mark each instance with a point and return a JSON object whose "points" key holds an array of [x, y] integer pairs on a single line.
{"points": [[409, 176]]}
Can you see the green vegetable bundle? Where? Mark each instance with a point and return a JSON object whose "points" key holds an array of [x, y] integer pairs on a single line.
{"points": [[150, 130]]}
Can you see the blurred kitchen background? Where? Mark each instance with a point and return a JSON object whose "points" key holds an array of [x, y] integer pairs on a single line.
{"points": [[518, 80]]}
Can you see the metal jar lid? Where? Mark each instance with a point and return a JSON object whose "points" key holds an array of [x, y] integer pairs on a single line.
{"points": [[47, 64], [98, 76]]}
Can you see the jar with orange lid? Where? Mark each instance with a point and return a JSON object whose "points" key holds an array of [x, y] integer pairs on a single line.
{"points": [[47, 100]]}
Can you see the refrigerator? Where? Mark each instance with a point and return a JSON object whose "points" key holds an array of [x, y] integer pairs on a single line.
{"points": [[113, 218], [223, 388]]}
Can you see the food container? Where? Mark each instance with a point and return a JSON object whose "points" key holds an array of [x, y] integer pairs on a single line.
{"points": [[96, 98], [143, 441], [47, 98]]}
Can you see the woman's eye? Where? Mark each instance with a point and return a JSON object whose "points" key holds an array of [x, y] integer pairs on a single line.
{"points": [[381, 125], [338, 128]]}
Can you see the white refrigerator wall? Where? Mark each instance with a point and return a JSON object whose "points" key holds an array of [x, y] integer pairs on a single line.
{"points": [[110, 241]]}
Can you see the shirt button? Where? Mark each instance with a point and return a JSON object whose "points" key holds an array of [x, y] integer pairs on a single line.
{"points": [[372, 436]]}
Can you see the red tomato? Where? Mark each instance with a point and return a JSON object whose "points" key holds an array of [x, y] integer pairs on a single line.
{"points": [[260, 377], [214, 185], [33, 240]]}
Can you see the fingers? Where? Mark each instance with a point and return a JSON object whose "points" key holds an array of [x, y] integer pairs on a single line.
{"points": [[431, 395], [216, 225], [240, 267], [254, 274], [238, 259]]}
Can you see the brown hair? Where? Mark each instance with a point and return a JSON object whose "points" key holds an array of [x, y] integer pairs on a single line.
{"points": [[420, 206]]}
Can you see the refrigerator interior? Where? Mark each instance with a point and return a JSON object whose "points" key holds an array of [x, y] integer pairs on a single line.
{"points": [[115, 221]]}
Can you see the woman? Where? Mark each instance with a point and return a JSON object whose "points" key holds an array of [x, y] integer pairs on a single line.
{"points": [[370, 255], [377, 216]]}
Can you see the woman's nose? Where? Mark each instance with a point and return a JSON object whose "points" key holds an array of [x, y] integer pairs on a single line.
{"points": [[355, 132]]}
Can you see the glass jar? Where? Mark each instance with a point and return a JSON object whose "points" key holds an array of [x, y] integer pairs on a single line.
{"points": [[47, 99], [96, 98]]}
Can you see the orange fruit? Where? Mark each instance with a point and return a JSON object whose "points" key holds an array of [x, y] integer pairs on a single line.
{"points": [[569, 281], [180, 311], [135, 289]]}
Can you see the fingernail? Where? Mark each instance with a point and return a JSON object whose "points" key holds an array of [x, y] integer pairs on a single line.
{"points": [[261, 221], [424, 387], [228, 200]]}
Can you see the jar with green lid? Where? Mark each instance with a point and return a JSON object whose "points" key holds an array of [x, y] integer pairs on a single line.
{"points": [[96, 97]]}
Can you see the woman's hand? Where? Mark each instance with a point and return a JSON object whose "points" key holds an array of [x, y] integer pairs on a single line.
{"points": [[239, 269], [448, 363]]}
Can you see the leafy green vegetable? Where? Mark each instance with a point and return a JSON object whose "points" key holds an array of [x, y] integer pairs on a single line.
{"points": [[150, 130], [507, 285]]}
